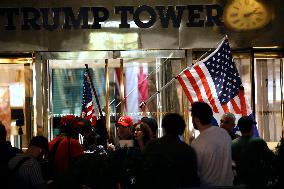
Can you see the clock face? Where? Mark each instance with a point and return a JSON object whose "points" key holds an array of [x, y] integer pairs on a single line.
{"points": [[246, 15]]}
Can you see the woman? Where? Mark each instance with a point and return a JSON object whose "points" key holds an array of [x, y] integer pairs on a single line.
{"points": [[142, 134]]}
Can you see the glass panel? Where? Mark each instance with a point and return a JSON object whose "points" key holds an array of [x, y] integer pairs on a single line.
{"points": [[138, 87], [268, 98], [15, 100], [67, 86], [142, 78]]}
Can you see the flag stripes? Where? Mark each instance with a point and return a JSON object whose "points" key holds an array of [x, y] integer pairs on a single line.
{"points": [[216, 81], [88, 110]]}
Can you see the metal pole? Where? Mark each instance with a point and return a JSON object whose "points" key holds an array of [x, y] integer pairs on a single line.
{"points": [[94, 90], [107, 108], [281, 102], [252, 83], [170, 82], [122, 98]]}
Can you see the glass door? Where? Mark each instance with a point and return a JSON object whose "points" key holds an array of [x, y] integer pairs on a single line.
{"points": [[269, 95], [16, 79], [122, 79]]}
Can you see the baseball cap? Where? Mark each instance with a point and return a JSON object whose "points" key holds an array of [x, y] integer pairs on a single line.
{"points": [[124, 121]]}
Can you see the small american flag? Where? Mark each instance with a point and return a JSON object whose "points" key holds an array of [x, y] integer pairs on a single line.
{"points": [[216, 80], [88, 111]]}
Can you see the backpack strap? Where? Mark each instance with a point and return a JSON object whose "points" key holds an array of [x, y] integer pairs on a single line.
{"points": [[19, 164]]}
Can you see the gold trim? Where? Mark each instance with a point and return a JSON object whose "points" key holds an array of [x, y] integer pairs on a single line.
{"points": [[16, 60], [122, 87], [106, 108]]}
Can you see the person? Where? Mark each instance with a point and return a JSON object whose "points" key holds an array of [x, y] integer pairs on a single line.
{"points": [[90, 137], [213, 148], [26, 166], [227, 122], [142, 134], [6, 152], [152, 123], [252, 156], [65, 148], [126, 155], [168, 161], [279, 164], [124, 127]]}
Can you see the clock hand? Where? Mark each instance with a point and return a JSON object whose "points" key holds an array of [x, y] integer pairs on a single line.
{"points": [[250, 13]]}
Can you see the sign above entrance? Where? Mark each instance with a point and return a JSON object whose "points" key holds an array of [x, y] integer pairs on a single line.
{"points": [[144, 16], [83, 25]]}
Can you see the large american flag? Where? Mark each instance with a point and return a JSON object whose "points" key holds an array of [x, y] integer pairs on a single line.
{"points": [[216, 80], [88, 110]]}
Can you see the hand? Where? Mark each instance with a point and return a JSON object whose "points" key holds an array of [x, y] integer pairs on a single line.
{"points": [[110, 147]]}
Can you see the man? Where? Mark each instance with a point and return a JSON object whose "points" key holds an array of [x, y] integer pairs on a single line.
{"points": [[126, 156], [252, 156], [26, 167], [227, 122], [169, 162], [6, 153], [213, 148], [124, 127], [65, 148], [6, 150]]}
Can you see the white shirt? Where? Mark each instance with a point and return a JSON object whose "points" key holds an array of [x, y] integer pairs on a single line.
{"points": [[214, 159]]}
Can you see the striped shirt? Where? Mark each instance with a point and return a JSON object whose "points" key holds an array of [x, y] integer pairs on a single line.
{"points": [[29, 174]]}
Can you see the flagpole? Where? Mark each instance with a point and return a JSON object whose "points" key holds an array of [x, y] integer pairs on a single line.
{"points": [[94, 90], [171, 81]]}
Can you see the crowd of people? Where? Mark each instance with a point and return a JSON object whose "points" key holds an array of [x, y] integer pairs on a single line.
{"points": [[217, 157]]}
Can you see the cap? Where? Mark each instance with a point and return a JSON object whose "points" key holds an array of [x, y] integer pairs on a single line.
{"points": [[124, 121], [246, 120]]}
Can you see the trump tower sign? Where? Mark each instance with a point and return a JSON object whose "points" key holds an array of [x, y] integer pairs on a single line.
{"points": [[49, 18], [50, 25]]}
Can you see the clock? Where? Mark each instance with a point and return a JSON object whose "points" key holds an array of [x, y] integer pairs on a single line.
{"points": [[243, 15]]}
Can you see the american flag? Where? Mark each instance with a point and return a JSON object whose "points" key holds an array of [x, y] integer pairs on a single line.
{"points": [[88, 110], [216, 80]]}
